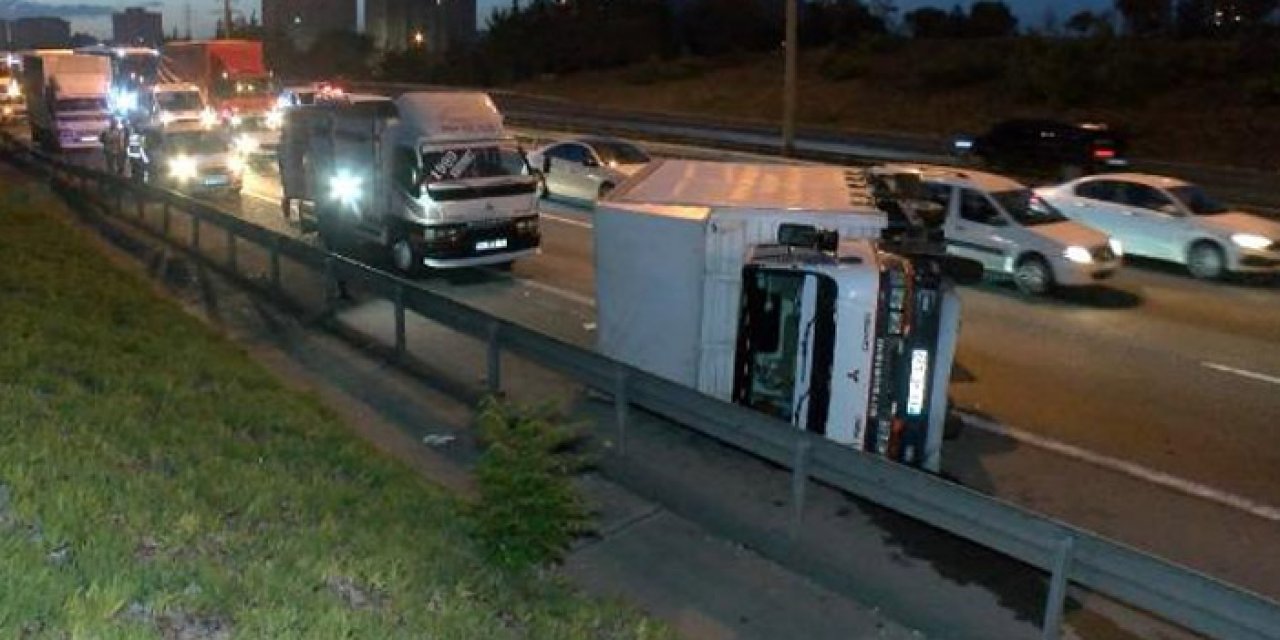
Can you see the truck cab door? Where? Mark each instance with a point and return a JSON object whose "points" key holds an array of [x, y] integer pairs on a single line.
{"points": [[785, 346]]}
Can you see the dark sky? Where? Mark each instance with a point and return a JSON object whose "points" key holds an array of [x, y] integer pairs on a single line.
{"points": [[94, 15]]}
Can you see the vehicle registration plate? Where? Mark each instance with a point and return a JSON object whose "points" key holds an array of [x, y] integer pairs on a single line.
{"points": [[215, 181], [490, 245], [918, 381]]}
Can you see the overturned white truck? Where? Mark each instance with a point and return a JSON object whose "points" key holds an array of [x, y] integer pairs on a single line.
{"points": [[786, 289], [431, 177]]}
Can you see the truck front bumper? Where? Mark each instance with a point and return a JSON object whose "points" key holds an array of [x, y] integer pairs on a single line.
{"points": [[478, 244]]}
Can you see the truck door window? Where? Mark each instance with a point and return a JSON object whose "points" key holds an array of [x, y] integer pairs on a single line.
{"points": [[783, 361], [976, 207], [406, 172]]}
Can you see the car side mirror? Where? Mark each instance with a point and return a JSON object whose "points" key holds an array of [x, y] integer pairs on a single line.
{"points": [[590, 162], [1169, 209]]}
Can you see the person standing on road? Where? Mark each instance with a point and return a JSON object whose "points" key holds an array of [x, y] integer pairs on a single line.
{"points": [[113, 147]]}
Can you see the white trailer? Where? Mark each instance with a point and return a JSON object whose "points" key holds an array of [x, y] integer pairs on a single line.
{"points": [[67, 98], [433, 178], [770, 286]]}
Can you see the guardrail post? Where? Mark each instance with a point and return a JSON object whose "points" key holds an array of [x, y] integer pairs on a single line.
{"points": [[275, 263], [231, 250], [1057, 598], [195, 233], [164, 219], [400, 337], [621, 409], [495, 359], [119, 202], [799, 483]]}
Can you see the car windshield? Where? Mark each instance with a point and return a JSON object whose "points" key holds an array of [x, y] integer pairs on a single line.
{"points": [[82, 104], [441, 165], [619, 153], [198, 142], [1196, 200], [1027, 208], [179, 101]]}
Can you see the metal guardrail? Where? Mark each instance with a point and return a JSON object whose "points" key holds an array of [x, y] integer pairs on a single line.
{"points": [[1068, 554]]}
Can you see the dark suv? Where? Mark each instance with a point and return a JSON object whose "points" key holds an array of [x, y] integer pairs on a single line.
{"points": [[1047, 146]]}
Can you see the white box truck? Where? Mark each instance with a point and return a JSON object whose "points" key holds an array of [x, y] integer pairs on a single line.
{"points": [[67, 98], [433, 178], [778, 287]]}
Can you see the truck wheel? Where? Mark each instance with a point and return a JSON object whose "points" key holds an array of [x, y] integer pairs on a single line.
{"points": [[406, 258], [1033, 276], [1206, 261]]}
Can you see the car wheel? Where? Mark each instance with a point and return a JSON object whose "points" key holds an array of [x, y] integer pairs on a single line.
{"points": [[405, 257], [1033, 276], [1206, 261], [605, 190]]}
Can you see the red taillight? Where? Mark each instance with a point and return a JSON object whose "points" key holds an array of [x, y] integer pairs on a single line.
{"points": [[1103, 153]]}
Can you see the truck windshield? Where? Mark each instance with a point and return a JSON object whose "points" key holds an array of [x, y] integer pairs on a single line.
{"points": [[1026, 208], [463, 163], [179, 101], [242, 87], [138, 69], [81, 104]]}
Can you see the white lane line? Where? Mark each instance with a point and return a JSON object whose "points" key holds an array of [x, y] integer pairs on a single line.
{"points": [[571, 296], [258, 196], [1244, 373], [1160, 478], [568, 221]]}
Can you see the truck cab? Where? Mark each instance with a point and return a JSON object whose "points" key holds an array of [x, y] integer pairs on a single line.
{"points": [[173, 104], [67, 98], [433, 178]]}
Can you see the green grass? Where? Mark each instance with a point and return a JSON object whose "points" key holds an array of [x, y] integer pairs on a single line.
{"points": [[156, 482]]}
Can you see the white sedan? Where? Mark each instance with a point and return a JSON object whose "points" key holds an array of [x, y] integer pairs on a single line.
{"points": [[586, 168], [1169, 219]]}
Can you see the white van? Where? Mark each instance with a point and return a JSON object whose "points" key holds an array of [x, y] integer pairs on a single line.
{"points": [[1006, 227]]}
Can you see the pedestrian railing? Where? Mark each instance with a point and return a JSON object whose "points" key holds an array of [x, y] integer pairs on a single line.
{"points": [[1069, 555]]}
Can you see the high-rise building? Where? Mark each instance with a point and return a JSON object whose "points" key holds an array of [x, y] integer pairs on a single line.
{"points": [[137, 27], [434, 25], [303, 21], [39, 33]]}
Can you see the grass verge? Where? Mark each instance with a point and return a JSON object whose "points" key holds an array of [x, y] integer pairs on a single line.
{"points": [[156, 482]]}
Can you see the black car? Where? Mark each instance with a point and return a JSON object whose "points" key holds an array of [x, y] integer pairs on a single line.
{"points": [[1047, 146]]}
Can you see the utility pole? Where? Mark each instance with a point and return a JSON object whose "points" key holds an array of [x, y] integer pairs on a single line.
{"points": [[789, 81]]}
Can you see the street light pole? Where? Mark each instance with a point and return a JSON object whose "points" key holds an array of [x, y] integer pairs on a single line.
{"points": [[789, 82]]}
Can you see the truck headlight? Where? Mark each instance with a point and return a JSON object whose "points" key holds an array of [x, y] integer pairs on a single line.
{"points": [[345, 188], [236, 165], [1117, 247], [1078, 255], [208, 118], [1251, 241], [166, 118], [183, 168]]}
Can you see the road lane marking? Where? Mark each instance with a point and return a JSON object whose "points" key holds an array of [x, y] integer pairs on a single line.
{"points": [[1244, 373], [1159, 478], [571, 296], [258, 196], [568, 221]]}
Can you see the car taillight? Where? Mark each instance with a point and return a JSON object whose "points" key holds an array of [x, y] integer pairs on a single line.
{"points": [[1104, 153]]}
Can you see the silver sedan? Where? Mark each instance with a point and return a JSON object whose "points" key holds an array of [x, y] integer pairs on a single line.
{"points": [[586, 168]]}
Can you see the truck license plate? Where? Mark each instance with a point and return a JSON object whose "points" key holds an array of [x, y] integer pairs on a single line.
{"points": [[917, 382], [215, 181], [490, 245]]}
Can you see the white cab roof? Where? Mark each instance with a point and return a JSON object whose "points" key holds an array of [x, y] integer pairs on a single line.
{"points": [[959, 176], [467, 115], [680, 185]]}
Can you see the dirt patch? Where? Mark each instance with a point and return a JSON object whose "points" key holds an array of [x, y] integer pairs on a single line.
{"points": [[353, 594]]}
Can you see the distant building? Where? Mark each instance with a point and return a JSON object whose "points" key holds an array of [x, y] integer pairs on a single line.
{"points": [[137, 27], [434, 25], [303, 21], [39, 33]]}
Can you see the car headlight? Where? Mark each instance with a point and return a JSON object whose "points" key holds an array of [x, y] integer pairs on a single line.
{"points": [[182, 168], [345, 187], [236, 165], [1251, 241], [166, 118], [1078, 255], [208, 118], [275, 120], [246, 144], [1117, 247]]}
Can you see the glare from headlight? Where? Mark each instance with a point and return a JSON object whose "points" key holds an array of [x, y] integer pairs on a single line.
{"points": [[236, 164], [1251, 241], [275, 120], [345, 187], [1117, 247], [246, 144], [208, 118], [166, 118], [1079, 255], [236, 120], [15, 90], [182, 168]]}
